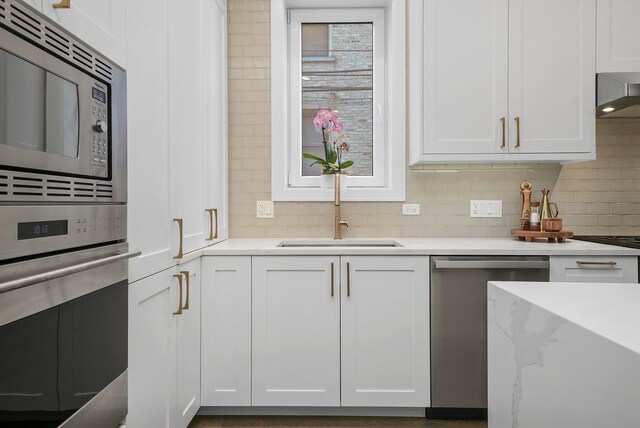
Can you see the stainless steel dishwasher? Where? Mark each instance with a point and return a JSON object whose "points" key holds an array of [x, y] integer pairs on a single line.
{"points": [[459, 327]]}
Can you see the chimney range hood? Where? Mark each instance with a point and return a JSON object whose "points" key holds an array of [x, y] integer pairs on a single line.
{"points": [[618, 95]]}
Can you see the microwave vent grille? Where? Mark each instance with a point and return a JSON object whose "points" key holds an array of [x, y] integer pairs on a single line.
{"points": [[33, 27], [17, 187]]}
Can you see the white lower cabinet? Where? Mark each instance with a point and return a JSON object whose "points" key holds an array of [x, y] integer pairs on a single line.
{"points": [[340, 331], [296, 331], [385, 331], [226, 331], [164, 348]]}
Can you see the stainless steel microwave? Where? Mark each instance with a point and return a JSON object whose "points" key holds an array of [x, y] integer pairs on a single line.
{"points": [[62, 115]]}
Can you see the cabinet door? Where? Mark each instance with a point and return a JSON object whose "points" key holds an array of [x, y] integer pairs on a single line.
{"points": [[152, 301], [551, 75], [187, 340], [226, 331], [618, 35], [465, 75], [385, 331], [100, 24], [296, 331], [214, 55], [149, 210]]}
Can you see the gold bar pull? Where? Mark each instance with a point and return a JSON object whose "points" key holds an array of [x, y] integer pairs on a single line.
{"points": [[348, 281], [62, 4], [610, 263], [517, 119], [504, 139], [179, 221], [186, 277], [179, 311], [212, 235], [331, 279]]}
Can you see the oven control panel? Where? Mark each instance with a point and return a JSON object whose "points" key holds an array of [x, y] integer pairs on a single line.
{"points": [[30, 230], [100, 121]]}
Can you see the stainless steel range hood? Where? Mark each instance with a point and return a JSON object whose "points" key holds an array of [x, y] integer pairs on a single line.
{"points": [[618, 95]]}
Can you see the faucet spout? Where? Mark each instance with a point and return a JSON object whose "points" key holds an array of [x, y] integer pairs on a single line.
{"points": [[338, 221]]}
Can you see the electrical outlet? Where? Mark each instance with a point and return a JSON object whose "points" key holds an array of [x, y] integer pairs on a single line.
{"points": [[410, 209], [485, 208], [264, 209]]}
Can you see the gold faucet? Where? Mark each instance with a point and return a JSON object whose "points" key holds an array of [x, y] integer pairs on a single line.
{"points": [[338, 222]]}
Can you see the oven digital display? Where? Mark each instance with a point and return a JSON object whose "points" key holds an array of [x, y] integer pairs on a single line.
{"points": [[99, 95], [42, 229]]}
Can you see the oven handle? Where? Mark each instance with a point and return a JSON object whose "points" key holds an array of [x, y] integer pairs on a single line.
{"points": [[69, 270]]}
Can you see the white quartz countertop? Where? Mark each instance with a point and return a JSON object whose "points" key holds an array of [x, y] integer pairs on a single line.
{"points": [[610, 310], [418, 246]]}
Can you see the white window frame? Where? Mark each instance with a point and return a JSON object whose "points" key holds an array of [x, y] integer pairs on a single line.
{"points": [[388, 182]]}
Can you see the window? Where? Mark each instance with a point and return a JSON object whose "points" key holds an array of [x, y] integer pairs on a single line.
{"points": [[349, 61]]}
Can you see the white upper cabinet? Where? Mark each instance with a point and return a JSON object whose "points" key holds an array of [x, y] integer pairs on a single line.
{"points": [[501, 81], [552, 76], [100, 24], [618, 36]]}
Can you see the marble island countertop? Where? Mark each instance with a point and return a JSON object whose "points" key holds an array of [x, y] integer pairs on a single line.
{"points": [[563, 354], [416, 246]]}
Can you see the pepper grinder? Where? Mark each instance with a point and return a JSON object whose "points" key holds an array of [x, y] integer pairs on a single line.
{"points": [[525, 189]]}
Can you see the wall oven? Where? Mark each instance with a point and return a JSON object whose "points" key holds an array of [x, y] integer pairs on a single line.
{"points": [[63, 213]]}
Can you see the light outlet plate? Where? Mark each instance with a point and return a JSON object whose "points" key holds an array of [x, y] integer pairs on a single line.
{"points": [[410, 209], [264, 209], [485, 208]]}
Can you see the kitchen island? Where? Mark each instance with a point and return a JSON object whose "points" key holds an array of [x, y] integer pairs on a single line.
{"points": [[563, 354]]}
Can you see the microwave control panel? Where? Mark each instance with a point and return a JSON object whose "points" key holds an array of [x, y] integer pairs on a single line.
{"points": [[100, 118]]}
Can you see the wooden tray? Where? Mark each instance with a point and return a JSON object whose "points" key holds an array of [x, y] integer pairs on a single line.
{"points": [[530, 235]]}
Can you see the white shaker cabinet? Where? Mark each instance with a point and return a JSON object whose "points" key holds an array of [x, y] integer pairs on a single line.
{"points": [[593, 269], [501, 81], [618, 31], [385, 331], [296, 331], [226, 331], [164, 348], [177, 138], [98, 23]]}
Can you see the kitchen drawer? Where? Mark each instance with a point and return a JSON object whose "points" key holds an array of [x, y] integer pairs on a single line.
{"points": [[594, 269]]}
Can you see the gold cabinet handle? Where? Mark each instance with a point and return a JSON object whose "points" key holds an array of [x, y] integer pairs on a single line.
{"points": [[212, 235], [331, 279], [179, 311], [609, 263], [517, 119], [179, 221], [504, 140], [348, 281], [186, 279], [62, 4]]}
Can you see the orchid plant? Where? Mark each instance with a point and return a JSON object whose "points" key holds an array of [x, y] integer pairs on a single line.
{"points": [[327, 121]]}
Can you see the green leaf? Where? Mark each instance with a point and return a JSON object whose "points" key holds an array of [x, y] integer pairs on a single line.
{"points": [[333, 157], [310, 156], [346, 164]]}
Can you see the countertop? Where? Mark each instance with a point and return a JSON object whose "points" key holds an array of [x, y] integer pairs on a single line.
{"points": [[416, 246], [610, 310]]}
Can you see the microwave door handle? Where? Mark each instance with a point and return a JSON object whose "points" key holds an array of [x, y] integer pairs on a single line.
{"points": [[69, 270]]}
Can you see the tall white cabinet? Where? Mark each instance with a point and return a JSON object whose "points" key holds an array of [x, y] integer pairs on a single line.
{"points": [[501, 80], [177, 130], [618, 35]]}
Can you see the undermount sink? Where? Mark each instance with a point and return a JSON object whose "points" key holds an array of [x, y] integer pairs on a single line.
{"points": [[339, 243]]}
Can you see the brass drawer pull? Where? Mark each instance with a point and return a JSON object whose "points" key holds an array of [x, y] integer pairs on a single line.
{"points": [[62, 4], [179, 311], [504, 141], [212, 235], [331, 279], [186, 277], [348, 281], [517, 119], [609, 263], [179, 221]]}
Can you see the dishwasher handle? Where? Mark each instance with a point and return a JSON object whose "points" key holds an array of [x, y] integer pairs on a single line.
{"points": [[491, 264]]}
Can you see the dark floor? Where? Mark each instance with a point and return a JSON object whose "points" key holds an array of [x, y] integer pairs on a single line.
{"points": [[326, 422]]}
